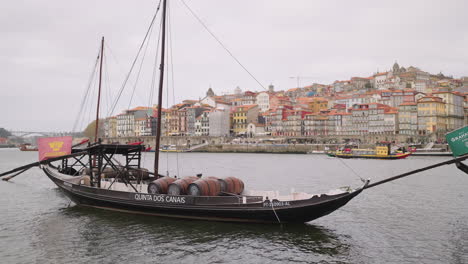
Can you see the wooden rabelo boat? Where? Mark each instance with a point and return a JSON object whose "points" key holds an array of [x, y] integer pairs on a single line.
{"points": [[94, 177], [110, 176], [129, 190]]}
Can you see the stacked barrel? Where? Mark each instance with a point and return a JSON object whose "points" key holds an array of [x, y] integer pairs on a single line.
{"points": [[191, 185], [180, 186], [209, 186], [160, 186], [232, 185]]}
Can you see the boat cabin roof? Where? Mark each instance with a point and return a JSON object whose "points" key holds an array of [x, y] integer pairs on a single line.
{"points": [[112, 149]]}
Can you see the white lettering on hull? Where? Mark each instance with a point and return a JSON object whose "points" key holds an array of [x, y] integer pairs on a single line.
{"points": [[160, 198], [275, 204]]}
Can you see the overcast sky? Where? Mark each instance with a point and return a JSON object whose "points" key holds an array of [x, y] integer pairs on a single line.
{"points": [[48, 48]]}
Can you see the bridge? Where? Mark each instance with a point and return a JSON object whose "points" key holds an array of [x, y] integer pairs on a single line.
{"points": [[36, 133]]}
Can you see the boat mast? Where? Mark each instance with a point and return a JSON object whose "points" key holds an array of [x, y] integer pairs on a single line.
{"points": [[99, 92], [161, 82]]}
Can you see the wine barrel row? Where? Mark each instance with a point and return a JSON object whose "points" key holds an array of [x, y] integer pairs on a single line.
{"points": [[207, 186], [160, 185], [180, 186], [232, 185]]}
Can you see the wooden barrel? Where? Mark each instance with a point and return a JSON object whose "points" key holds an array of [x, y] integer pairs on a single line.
{"points": [[180, 186], [87, 171], [205, 187], [232, 185], [109, 173], [85, 180], [222, 184], [160, 185], [141, 173]]}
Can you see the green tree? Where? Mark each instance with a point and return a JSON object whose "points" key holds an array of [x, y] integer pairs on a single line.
{"points": [[4, 133], [91, 128]]}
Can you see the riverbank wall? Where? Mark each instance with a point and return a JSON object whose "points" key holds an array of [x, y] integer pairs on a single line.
{"points": [[269, 148], [236, 145]]}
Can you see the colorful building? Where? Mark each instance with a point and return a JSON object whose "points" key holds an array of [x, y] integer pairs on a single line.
{"points": [[431, 115], [242, 116], [454, 110], [408, 118]]}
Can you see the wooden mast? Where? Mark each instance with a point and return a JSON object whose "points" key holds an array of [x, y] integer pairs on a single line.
{"points": [[99, 92], [161, 82]]}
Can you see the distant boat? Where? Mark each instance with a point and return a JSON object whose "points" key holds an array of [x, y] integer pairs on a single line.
{"points": [[433, 153], [170, 148], [27, 147], [146, 149], [380, 152]]}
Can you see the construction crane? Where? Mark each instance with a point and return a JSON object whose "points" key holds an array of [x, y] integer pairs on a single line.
{"points": [[299, 78]]}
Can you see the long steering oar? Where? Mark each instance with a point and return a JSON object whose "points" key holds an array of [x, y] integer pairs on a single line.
{"points": [[455, 160], [16, 174], [34, 164]]}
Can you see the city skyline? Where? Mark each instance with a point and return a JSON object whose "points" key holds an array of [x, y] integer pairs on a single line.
{"points": [[47, 65]]}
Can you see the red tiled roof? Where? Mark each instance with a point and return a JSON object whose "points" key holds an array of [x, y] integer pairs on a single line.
{"points": [[380, 74], [292, 89], [247, 107], [138, 108], [409, 103]]}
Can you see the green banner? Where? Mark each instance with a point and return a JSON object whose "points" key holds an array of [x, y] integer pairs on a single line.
{"points": [[458, 141]]}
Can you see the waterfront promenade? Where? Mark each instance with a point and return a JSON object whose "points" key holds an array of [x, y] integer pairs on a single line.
{"points": [[269, 144]]}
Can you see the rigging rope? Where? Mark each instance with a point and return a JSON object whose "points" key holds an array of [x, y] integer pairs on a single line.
{"points": [[351, 169], [139, 69], [171, 61], [114, 57], [107, 84], [155, 69], [119, 94], [92, 103], [220, 43], [90, 80], [167, 129], [273, 208]]}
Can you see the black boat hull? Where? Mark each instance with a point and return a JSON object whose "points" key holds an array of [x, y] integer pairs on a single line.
{"points": [[347, 156], [219, 208]]}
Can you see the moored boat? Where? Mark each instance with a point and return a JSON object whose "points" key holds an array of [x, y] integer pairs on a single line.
{"points": [[127, 191], [95, 178], [27, 147], [380, 152], [170, 148]]}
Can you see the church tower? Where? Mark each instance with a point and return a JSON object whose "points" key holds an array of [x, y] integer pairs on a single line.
{"points": [[210, 92], [271, 88], [237, 91], [396, 68]]}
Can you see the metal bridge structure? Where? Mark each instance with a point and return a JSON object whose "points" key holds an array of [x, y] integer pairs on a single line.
{"points": [[24, 134]]}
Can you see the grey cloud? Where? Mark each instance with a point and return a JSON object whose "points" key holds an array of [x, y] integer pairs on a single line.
{"points": [[48, 47]]}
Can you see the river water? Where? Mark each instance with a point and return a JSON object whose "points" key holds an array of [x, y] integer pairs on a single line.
{"points": [[419, 219]]}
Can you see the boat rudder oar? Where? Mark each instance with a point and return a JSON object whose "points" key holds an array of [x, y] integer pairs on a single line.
{"points": [[457, 161], [14, 175], [26, 167]]}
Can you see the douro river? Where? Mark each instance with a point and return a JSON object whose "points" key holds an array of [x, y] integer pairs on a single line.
{"points": [[419, 219]]}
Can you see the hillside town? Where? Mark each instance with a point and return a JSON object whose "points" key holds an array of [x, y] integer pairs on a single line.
{"points": [[402, 103]]}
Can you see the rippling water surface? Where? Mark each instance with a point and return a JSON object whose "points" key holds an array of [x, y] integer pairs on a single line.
{"points": [[419, 219]]}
